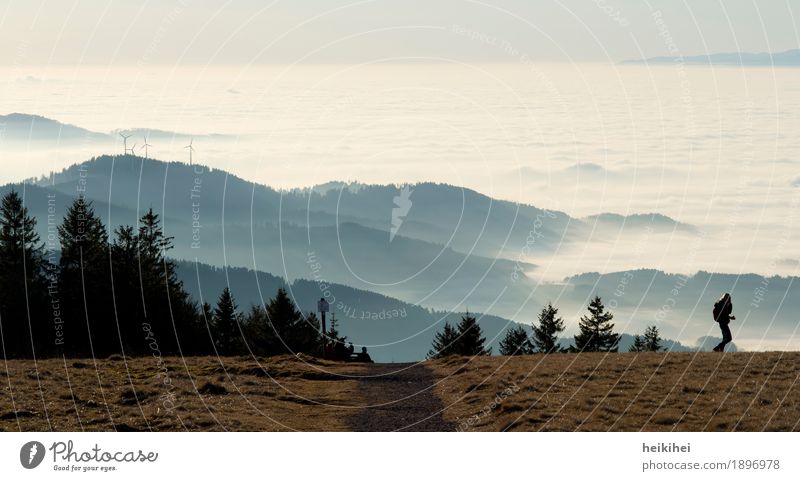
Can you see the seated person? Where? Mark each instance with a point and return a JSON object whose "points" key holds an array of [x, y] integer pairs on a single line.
{"points": [[363, 356]]}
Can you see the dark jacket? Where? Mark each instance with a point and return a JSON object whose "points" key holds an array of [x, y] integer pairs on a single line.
{"points": [[722, 313]]}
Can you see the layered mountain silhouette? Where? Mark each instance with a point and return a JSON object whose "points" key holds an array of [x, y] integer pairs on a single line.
{"points": [[19, 127], [448, 249], [25, 128], [655, 222], [788, 58], [393, 330], [454, 248]]}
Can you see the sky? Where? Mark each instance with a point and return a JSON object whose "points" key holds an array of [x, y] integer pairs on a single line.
{"points": [[178, 32]]}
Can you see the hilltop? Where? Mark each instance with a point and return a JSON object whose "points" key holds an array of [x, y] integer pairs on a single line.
{"points": [[559, 392]]}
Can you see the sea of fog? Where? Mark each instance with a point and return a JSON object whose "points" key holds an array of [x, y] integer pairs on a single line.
{"points": [[713, 147]]}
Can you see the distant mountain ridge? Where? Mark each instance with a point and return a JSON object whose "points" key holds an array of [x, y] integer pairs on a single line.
{"points": [[35, 128], [654, 221], [394, 330], [451, 241], [788, 58], [455, 249], [21, 127]]}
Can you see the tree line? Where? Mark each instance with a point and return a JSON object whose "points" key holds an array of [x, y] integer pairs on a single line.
{"points": [[595, 334], [97, 296]]}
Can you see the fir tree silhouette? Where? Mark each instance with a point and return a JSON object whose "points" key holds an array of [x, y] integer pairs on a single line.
{"points": [[638, 344], [596, 330], [470, 338], [444, 342], [516, 342], [652, 339], [23, 281], [226, 323], [546, 331], [85, 288]]}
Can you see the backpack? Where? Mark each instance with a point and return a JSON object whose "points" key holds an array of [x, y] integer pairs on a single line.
{"points": [[717, 310]]}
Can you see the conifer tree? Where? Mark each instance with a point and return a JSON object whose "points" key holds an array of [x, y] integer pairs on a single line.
{"points": [[470, 341], [83, 238], [516, 342], [546, 331], [153, 244], [127, 293], [335, 345], [23, 282], [596, 330], [293, 332], [282, 316], [85, 287], [147, 289], [226, 326], [638, 344], [207, 313], [444, 342], [306, 336], [652, 339], [259, 333], [166, 301]]}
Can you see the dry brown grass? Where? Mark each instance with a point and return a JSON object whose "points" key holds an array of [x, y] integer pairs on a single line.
{"points": [[566, 392], [197, 393], [622, 392]]}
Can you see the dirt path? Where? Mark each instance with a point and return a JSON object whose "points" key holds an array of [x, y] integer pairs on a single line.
{"points": [[399, 397]]}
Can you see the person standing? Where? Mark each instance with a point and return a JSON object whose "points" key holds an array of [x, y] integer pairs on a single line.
{"points": [[722, 314]]}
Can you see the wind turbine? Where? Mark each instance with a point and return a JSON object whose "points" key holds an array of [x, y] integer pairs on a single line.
{"points": [[133, 149], [191, 149], [125, 141], [146, 145]]}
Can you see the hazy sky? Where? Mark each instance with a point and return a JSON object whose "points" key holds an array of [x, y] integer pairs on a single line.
{"points": [[346, 31]]}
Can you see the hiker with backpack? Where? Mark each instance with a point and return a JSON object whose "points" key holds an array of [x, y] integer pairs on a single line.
{"points": [[722, 314]]}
